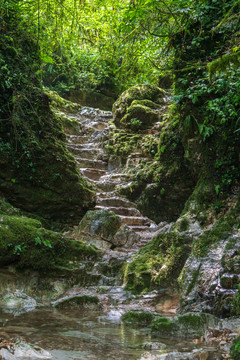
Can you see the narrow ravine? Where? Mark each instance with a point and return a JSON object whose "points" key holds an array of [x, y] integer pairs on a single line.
{"points": [[79, 317], [107, 174]]}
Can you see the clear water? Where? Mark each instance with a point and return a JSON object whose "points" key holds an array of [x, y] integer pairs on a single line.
{"points": [[76, 335]]}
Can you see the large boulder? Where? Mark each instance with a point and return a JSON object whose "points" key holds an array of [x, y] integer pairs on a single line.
{"points": [[104, 229], [138, 107]]}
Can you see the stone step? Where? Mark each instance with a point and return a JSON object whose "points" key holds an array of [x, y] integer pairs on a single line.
{"points": [[140, 229], [106, 186], [115, 202], [88, 163], [86, 153], [121, 210], [135, 220], [116, 178], [92, 174], [91, 126], [76, 139]]}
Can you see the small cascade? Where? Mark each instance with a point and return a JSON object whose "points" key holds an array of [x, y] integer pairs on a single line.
{"points": [[95, 165]]}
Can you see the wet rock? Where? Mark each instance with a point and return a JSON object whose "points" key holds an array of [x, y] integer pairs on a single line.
{"points": [[154, 346], [84, 300], [209, 283], [119, 295], [24, 351], [104, 229], [189, 325], [197, 354], [17, 303]]}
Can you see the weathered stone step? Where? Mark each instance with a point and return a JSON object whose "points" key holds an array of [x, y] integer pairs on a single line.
{"points": [[115, 202], [106, 186], [140, 229], [121, 210], [86, 153], [94, 125], [88, 163], [116, 178], [92, 174], [76, 139], [135, 220]]}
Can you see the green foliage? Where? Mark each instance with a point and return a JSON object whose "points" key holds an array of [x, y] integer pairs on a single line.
{"points": [[235, 349]]}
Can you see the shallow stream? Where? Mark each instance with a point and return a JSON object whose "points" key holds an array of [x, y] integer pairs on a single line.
{"points": [[89, 335]]}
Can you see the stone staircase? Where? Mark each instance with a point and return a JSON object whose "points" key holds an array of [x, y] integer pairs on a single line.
{"points": [[95, 165]]}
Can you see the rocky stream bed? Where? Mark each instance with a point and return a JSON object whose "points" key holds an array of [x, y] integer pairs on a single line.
{"points": [[79, 316]]}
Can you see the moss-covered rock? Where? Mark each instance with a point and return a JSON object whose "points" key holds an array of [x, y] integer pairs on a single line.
{"points": [[26, 244], [138, 92], [215, 255], [158, 263], [37, 172], [189, 325], [162, 185], [236, 303], [164, 326], [138, 317], [140, 116], [104, 229]]}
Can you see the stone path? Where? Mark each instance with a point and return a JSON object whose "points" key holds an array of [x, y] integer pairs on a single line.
{"points": [[94, 164]]}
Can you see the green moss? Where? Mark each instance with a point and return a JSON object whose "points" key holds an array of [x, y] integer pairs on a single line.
{"points": [[183, 224], [188, 325], [57, 102], [25, 243], [191, 285], [8, 209], [192, 320], [144, 114], [138, 317], [122, 143], [235, 349], [137, 92], [236, 303], [223, 62], [164, 326], [158, 263], [37, 173], [220, 231]]}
